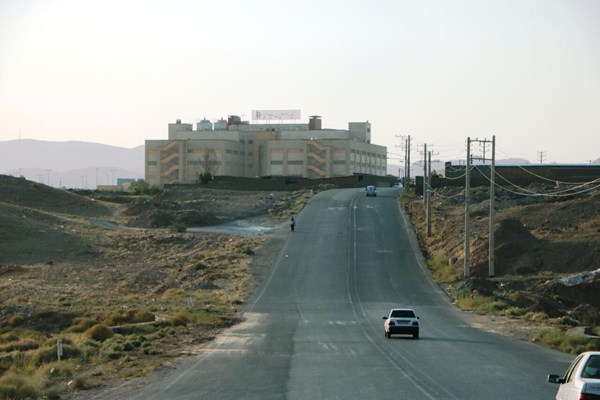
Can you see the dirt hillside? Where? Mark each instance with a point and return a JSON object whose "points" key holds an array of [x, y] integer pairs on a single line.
{"points": [[73, 265], [547, 254]]}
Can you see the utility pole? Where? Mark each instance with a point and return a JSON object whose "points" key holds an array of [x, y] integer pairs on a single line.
{"points": [[492, 209], [467, 217], [492, 205], [404, 178], [425, 173], [427, 189], [407, 183], [406, 172], [541, 156]]}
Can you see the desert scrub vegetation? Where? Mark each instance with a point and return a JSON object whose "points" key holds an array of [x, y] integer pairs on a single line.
{"points": [[17, 387], [100, 345], [98, 333], [285, 208], [560, 340], [441, 268], [123, 301], [178, 227], [38, 372], [133, 316]]}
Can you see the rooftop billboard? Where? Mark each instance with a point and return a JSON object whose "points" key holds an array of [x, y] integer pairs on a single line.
{"points": [[269, 115]]}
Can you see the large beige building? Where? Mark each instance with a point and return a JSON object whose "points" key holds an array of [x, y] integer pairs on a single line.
{"points": [[237, 148]]}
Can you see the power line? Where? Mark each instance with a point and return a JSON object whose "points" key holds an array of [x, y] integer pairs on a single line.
{"points": [[530, 193], [547, 179]]}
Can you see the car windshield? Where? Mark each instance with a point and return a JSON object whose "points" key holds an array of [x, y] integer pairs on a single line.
{"points": [[403, 314]]}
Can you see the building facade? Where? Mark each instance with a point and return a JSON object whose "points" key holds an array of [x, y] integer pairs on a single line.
{"points": [[237, 148]]}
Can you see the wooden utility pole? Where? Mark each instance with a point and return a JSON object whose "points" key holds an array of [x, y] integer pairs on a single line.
{"points": [[492, 215], [428, 194], [424, 173], [467, 218], [407, 186], [492, 209], [406, 174]]}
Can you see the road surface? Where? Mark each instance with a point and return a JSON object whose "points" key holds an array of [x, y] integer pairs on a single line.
{"points": [[314, 330]]}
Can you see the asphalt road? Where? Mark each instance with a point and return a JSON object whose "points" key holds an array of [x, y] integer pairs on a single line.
{"points": [[314, 330]]}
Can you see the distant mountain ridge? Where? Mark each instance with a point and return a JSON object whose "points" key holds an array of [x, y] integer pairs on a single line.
{"points": [[76, 164], [70, 164]]}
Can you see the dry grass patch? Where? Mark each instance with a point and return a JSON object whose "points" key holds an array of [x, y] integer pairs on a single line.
{"points": [[560, 340], [14, 386], [98, 333]]}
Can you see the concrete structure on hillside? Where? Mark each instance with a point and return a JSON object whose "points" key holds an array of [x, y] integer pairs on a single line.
{"points": [[237, 148]]}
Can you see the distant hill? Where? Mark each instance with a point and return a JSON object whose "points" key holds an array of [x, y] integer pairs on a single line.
{"points": [[70, 164]]}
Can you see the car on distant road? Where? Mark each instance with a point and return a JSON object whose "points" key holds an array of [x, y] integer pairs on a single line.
{"points": [[582, 379], [371, 191], [397, 186], [401, 321]]}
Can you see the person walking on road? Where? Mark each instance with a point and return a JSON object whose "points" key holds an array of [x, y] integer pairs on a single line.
{"points": [[292, 223]]}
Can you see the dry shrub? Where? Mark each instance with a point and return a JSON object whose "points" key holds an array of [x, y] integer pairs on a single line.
{"points": [[179, 320], [132, 316], [16, 387], [9, 337], [171, 292], [48, 354], [16, 300], [16, 320], [81, 324], [141, 316], [19, 346], [46, 319], [98, 332], [114, 318]]}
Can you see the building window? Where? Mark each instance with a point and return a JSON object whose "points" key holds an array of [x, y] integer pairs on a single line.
{"points": [[277, 162], [228, 151], [295, 162]]}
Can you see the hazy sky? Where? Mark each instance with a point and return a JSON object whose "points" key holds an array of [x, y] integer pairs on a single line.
{"points": [[117, 72]]}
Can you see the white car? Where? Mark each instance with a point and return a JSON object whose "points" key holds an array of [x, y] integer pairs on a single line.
{"points": [[582, 379], [371, 191], [401, 321]]}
